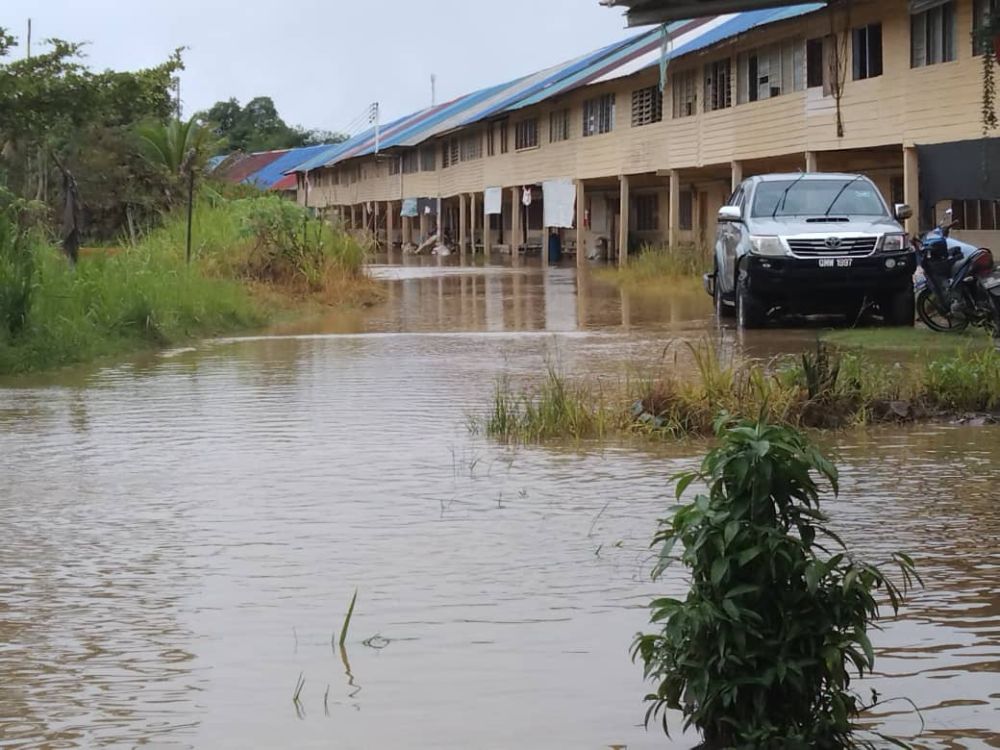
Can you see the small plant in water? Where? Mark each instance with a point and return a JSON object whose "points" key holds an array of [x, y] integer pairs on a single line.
{"points": [[762, 651]]}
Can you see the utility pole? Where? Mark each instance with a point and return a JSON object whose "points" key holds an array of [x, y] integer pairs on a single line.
{"points": [[375, 114], [29, 38]]}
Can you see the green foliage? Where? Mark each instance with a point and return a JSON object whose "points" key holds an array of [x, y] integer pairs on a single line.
{"points": [[762, 651], [17, 268], [657, 264], [177, 145], [823, 389], [259, 127]]}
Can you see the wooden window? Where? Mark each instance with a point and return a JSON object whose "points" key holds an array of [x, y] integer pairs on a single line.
{"points": [[490, 141], [647, 106], [932, 36], [685, 93], [472, 147], [395, 165], [599, 115], [526, 134], [647, 212], [428, 159], [445, 156], [976, 215], [982, 10], [770, 71], [559, 126], [453, 150], [815, 63], [335, 176], [502, 136], [686, 213], [867, 51], [718, 85], [411, 161]]}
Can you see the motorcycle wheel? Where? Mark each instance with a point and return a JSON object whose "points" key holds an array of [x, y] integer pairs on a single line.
{"points": [[933, 318]]}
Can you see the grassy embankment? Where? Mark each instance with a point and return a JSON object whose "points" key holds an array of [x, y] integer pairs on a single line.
{"points": [[658, 265], [825, 389], [253, 258]]}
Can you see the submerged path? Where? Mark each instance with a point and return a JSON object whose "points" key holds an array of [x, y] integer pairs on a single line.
{"points": [[182, 534]]}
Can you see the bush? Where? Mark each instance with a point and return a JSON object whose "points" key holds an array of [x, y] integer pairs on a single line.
{"points": [[761, 652]]}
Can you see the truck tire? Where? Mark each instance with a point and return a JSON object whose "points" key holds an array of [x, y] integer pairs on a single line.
{"points": [[899, 309], [750, 312]]}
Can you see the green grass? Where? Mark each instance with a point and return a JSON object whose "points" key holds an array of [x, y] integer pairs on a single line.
{"points": [[907, 339], [245, 252], [655, 265], [826, 389]]}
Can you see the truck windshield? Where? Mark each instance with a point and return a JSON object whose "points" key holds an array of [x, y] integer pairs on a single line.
{"points": [[806, 197]]}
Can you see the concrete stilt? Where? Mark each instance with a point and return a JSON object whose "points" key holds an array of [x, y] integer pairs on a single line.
{"points": [[462, 225], [811, 165], [515, 222], [673, 232], [581, 207], [737, 167], [911, 187]]}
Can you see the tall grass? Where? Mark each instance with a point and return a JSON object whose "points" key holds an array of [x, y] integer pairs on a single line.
{"points": [[658, 263], [822, 389], [145, 295]]}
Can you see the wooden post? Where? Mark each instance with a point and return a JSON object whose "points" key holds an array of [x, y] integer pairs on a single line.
{"points": [[581, 207], [407, 230], [472, 221], [911, 187], [811, 165], [390, 224], [673, 234], [624, 221], [488, 230], [354, 216], [737, 167], [515, 221], [425, 226], [440, 222], [462, 226]]}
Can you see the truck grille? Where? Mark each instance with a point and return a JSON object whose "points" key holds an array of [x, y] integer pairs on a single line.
{"points": [[818, 247]]}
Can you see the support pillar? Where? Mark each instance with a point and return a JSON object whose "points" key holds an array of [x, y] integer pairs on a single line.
{"points": [[737, 167], [407, 230], [425, 226], [581, 197], [440, 221], [472, 221], [376, 212], [911, 187], [623, 221], [488, 230], [462, 225], [698, 231], [673, 233], [515, 221], [354, 217], [811, 165], [390, 224]]}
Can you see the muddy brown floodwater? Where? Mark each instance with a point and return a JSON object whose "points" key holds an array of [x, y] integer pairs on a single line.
{"points": [[182, 533]]}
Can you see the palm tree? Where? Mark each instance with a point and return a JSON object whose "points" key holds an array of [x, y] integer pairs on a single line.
{"points": [[181, 148]]}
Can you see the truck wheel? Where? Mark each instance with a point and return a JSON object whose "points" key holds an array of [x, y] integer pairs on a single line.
{"points": [[898, 309], [750, 313], [722, 310]]}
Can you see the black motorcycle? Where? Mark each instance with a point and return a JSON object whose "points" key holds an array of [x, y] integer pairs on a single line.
{"points": [[960, 285]]}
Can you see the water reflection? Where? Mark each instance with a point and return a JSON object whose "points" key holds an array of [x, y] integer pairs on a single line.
{"points": [[181, 535]]}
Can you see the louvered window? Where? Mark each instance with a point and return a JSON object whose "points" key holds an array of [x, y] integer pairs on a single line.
{"points": [[685, 93], [647, 106], [472, 147], [599, 115], [718, 85]]}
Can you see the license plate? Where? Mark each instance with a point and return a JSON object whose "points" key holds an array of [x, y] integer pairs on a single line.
{"points": [[991, 282], [836, 262]]}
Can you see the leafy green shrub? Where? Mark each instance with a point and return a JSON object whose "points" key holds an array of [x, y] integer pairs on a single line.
{"points": [[761, 652], [17, 268]]}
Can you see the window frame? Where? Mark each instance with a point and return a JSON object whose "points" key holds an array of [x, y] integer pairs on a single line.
{"points": [[712, 101], [647, 105], [647, 212], [684, 93], [526, 134], [599, 115], [927, 54], [870, 63], [559, 125]]}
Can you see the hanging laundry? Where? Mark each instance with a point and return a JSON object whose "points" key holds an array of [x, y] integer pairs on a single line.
{"points": [[526, 196], [558, 202], [409, 207], [427, 206], [492, 200]]}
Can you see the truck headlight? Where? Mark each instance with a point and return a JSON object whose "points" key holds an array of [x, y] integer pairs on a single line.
{"points": [[766, 246], [893, 243]]}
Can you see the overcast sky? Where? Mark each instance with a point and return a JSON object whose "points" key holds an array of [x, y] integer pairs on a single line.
{"points": [[324, 61]]}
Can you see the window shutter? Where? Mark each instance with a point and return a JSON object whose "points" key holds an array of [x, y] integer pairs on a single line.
{"points": [[918, 41]]}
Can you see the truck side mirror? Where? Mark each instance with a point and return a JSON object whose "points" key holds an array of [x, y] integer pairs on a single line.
{"points": [[730, 213], [903, 212]]}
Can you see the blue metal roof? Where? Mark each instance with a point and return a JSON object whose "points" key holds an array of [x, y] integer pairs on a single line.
{"points": [[635, 53]]}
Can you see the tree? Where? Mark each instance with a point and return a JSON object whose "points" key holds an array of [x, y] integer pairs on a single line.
{"points": [[258, 127]]}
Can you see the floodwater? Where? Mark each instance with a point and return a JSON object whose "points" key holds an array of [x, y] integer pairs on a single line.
{"points": [[182, 534]]}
